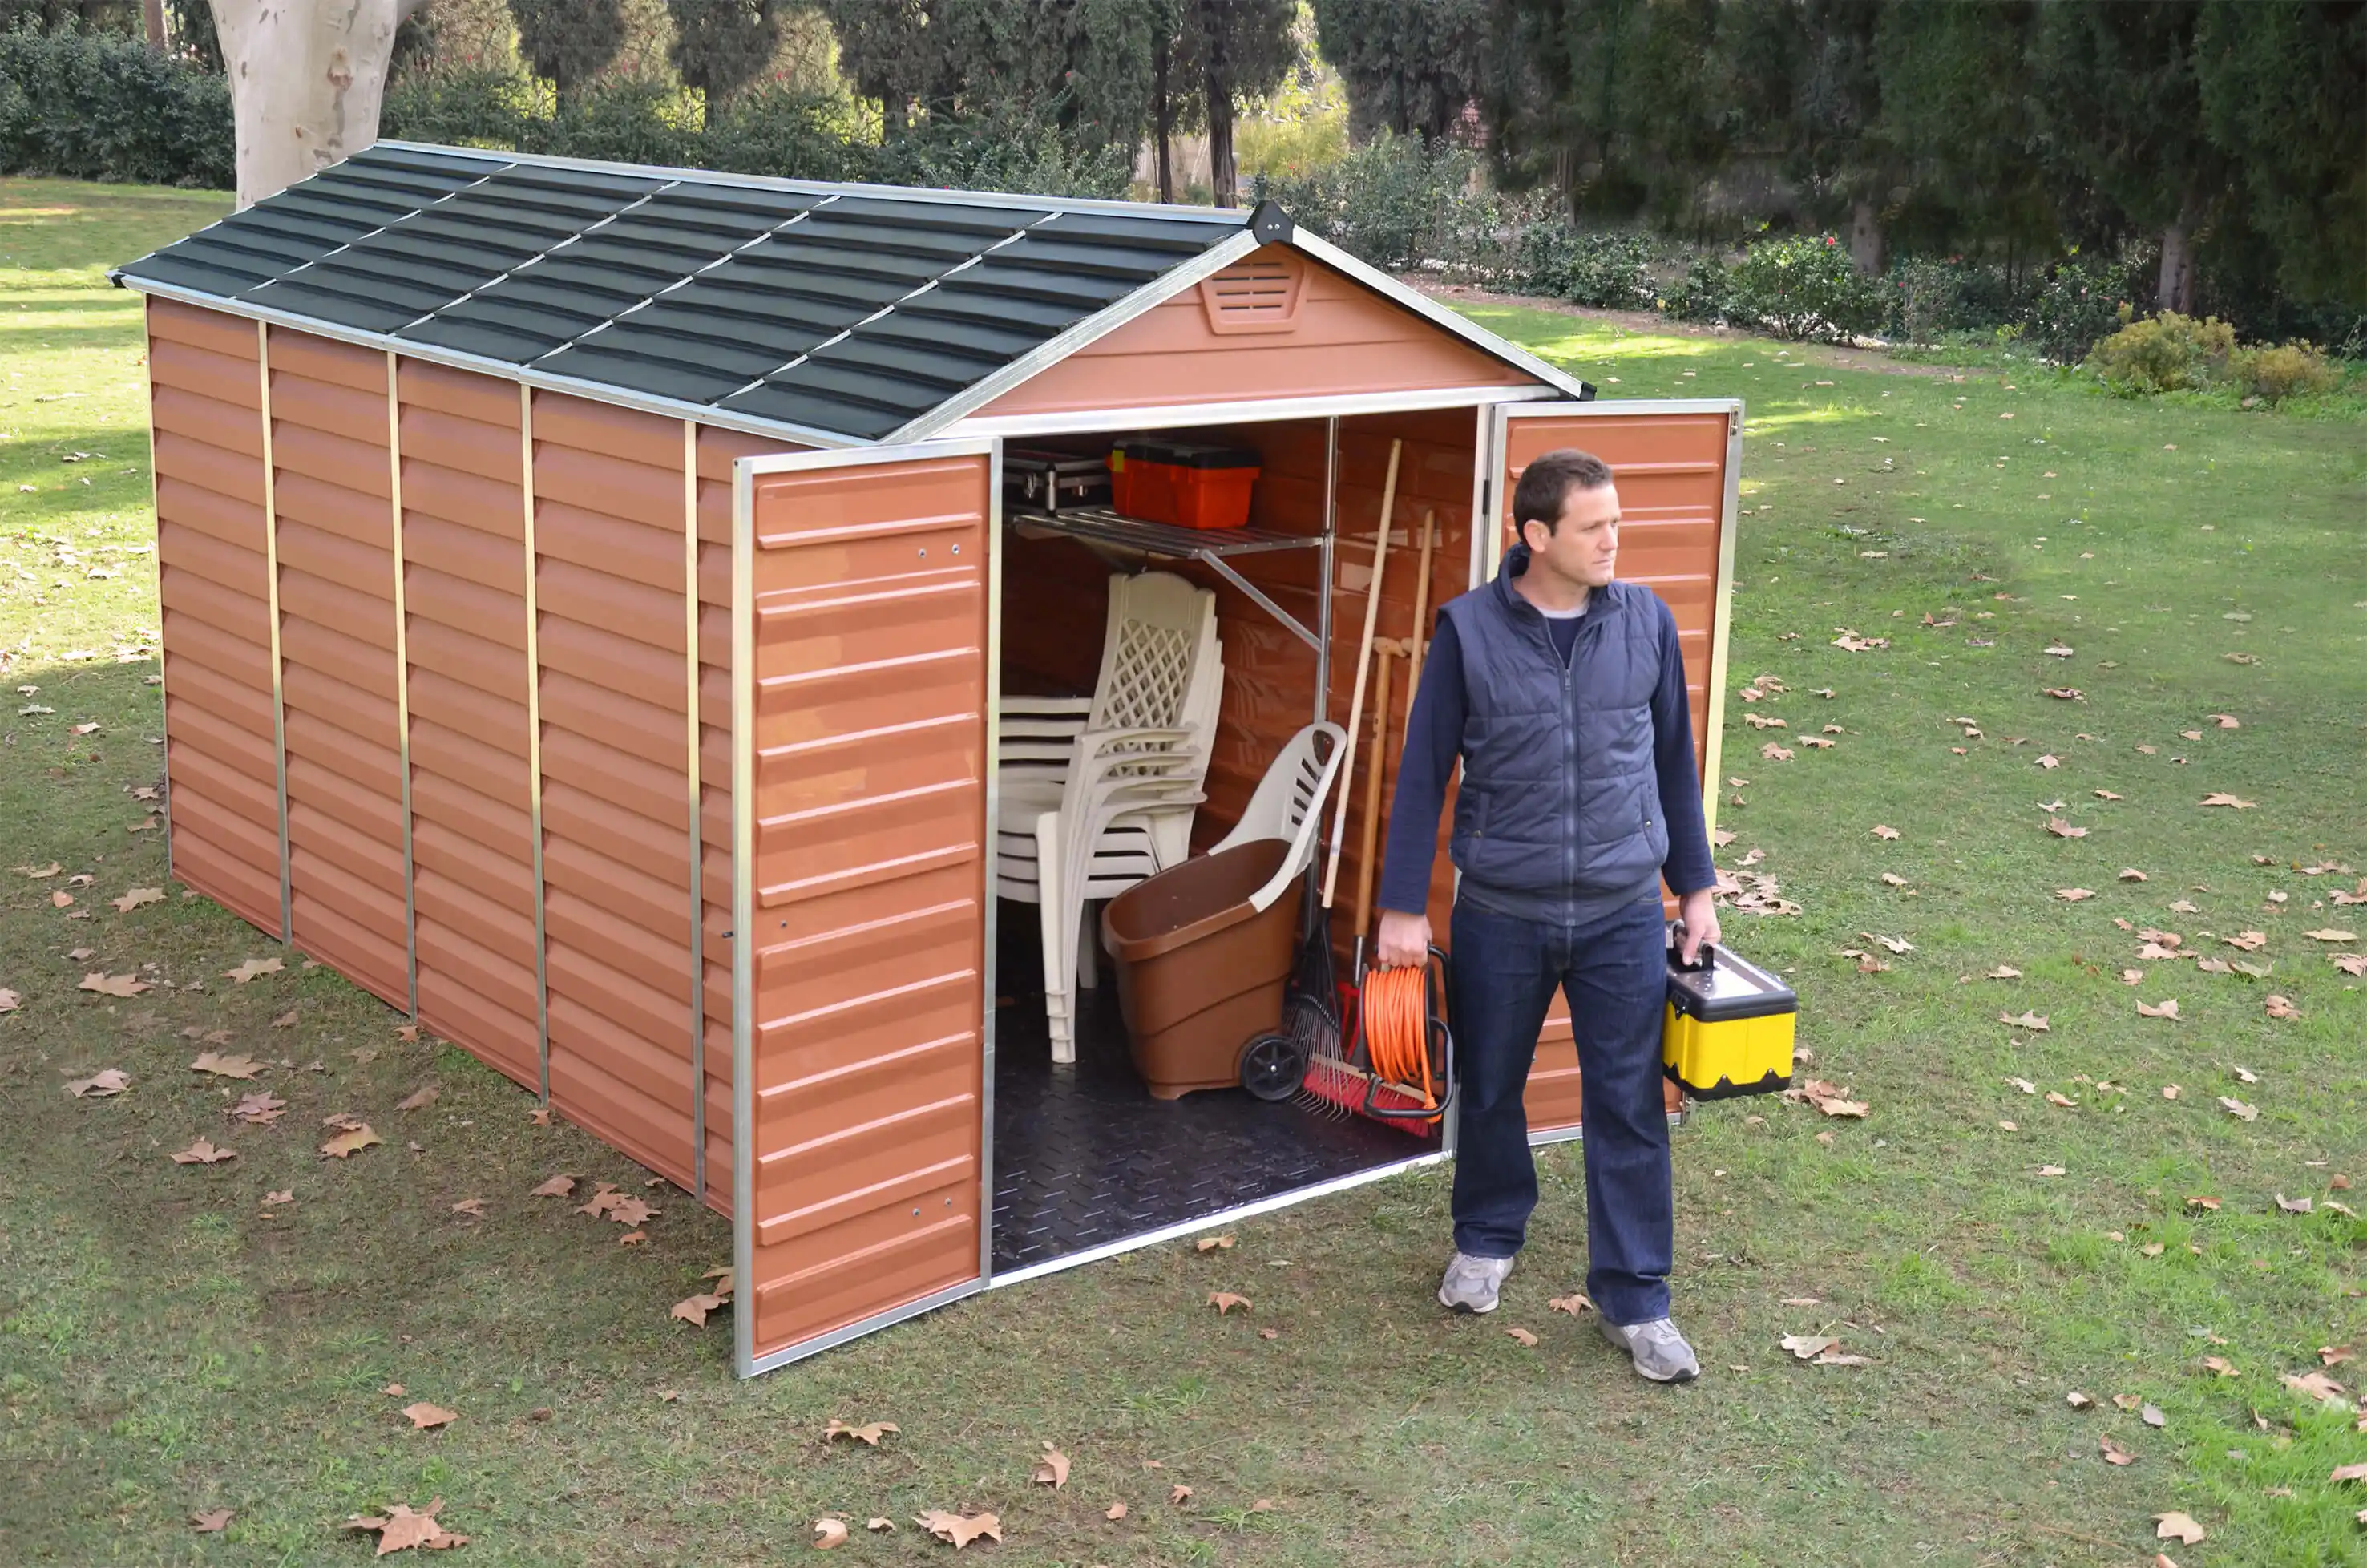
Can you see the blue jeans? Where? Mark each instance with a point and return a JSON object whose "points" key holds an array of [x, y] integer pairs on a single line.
{"points": [[1615, 975]]}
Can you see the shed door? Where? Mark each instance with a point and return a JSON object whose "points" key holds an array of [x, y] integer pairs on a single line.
{"points": [[862, 685], [1676, 463]]}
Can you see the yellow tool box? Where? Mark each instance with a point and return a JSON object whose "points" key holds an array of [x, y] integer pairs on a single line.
{"points": [[1728, 1026]]}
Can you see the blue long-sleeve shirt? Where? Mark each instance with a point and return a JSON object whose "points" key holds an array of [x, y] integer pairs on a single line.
{"points": [[1434, 740]]}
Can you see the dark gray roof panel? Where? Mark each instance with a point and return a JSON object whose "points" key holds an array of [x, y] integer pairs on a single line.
{"points": [[853, 310]]}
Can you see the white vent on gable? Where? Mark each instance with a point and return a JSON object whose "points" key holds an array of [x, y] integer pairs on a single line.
{"points": [[1260, 294]]}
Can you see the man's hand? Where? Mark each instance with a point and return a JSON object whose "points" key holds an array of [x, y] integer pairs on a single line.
{"points": [[1700, 918], [1404, 941]]}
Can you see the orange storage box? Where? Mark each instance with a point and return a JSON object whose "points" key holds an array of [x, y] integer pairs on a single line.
{"points": [[1191, 485]]}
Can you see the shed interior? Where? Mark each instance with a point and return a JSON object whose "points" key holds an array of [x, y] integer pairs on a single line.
{"points": [[1085, 1157]]}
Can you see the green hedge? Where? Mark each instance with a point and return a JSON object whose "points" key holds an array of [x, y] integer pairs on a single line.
{"points": [[102, 105]]}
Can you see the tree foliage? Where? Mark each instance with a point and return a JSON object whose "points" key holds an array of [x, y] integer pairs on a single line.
{"points": [[568, 42], [720, 46], [1410, 66]]}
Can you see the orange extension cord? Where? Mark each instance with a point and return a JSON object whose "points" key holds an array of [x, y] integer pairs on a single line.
{"points": [[1397, 1027]]}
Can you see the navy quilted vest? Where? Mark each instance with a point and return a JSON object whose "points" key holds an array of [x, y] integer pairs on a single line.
{"points": [[1560, 806]]}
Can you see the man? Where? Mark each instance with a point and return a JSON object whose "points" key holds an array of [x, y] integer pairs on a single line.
{"points": [[1563, 693]]}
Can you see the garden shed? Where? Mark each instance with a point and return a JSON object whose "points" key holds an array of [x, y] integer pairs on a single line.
{"points": [[590, 595]]}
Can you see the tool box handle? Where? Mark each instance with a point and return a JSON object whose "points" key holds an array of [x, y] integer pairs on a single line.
{"points": [[1704, 958]]}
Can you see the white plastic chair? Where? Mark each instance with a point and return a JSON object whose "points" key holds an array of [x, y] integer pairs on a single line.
{"points": [[1289, 803], [1097, 794]]}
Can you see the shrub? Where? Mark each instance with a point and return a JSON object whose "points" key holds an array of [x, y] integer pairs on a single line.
{"points": [[462, 109], [1398, 203], [1804, 286], [2164, 353], [2290, 370], [776, 129], [104, 105], [1702, 294], [1607, 270], [2079, 303], [1926, 297]]}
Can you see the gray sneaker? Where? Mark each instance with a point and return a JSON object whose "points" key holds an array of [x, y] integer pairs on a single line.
{"points": [[1471, 1283], [1659, 1352]]}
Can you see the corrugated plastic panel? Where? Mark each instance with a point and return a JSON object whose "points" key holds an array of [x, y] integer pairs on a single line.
{"points": [[1671, 473], [609, 516], [869, 890], [843, 308], [471, 787], [333, 490], [376, 186], [718, 450], [221, 767]]}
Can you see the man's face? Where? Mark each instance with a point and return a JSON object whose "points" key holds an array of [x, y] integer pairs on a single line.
{"points": [[1585, 546]]}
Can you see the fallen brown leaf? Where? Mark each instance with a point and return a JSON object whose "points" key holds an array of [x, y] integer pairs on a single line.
{"points": [[419, 1100], [2073, 895], [210, 1521], [106, 1080], [2223, 800], [2176, 1527], [284, 1195], [2078, 1401], [113, 984], [693, 1309], [1574, 1304], [1523, 1337], [2034, 1021], [2333, 1355], [868, 1435], [2197, 1200], [1179, 1494], [1210, 1244], [250, 969], [136, 897], [2316, 1385], [1052, 1469], [238, 1066], [2114, 1453], [2329, 934], [403, 1528], [425, 1415], [2219, 1365], [2167, 1010], [349, 1142], [960, 1529], [2238, 1109], [259, 1109], [557, 1187], [474, 1208], [1880, 831], [829, 1534], [203, 1152], [2062, 829], [1114, 1511], [2349, 1473], [1225, 1302]]}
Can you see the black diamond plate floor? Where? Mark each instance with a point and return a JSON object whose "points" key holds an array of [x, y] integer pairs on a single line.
{"points": [[1084, 1155]]}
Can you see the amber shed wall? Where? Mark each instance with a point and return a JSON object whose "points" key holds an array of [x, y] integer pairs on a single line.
{"points": [[332, 489], [213, 584], [471, 798], [869, 892]]}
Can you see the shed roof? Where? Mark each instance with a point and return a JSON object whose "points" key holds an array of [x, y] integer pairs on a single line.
{"points": [[837, 313]]}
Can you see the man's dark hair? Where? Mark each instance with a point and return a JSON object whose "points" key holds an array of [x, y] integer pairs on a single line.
{"points": [[1546, 482]]}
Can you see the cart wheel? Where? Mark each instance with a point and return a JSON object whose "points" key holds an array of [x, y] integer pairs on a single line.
{"points": [[1273, 1066]]}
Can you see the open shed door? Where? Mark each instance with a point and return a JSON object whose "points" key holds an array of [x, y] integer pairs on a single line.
{"points": [[1677, 463], [864, 675]]}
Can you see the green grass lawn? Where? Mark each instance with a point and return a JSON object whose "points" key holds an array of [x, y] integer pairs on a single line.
{"points": [[168, 1345]]}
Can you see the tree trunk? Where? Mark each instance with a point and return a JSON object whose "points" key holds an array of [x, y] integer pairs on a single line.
{"points": [[1162, 123], [1224, 174], [151, 12], [306, 80], [1865, 240], [2176, 289]]}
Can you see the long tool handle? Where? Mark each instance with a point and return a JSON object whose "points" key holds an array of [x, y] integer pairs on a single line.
{"points": [[1364, 660], [1383, 651], [1420, 638]]}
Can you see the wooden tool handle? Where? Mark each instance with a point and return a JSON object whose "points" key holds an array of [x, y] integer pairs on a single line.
{"points": [[1383, 651], [1419, 638], [1363, 662]]}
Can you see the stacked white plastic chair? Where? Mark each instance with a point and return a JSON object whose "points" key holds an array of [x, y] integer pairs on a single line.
{"points": [[1097, 794]]}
